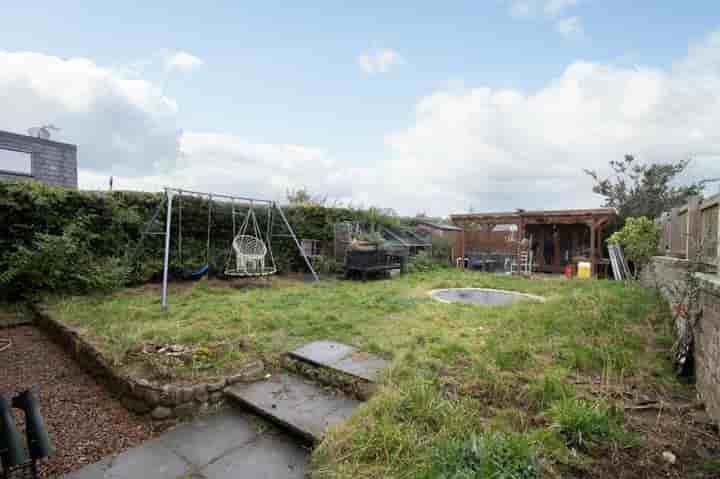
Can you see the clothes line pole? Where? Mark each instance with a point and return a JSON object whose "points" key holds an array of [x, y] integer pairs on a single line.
{"points": [[166, 262]]}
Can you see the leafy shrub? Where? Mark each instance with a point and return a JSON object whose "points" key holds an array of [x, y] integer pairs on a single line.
{"points": [[639, 237], [61, 263], [440, 248], [423, 262], [489, 455], [583, 424]]}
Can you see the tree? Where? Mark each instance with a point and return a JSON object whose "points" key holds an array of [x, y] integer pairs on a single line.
{"points": [[638, 189], [302, 197]]}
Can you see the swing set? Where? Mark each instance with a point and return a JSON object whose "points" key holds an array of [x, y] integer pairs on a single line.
{"points": [[250, 251]]}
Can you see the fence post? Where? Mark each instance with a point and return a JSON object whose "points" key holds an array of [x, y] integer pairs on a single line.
{"points": [[717, 257], [694, 233]]}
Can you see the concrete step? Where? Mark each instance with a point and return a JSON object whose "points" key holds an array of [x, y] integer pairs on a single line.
{"points": [[340, 358], [295, 403]]}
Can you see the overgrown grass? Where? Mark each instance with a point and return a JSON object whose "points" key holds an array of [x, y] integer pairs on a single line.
{"points": [[583, 424], [473, 391]]}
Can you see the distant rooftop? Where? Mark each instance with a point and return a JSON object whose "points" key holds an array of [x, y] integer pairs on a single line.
{"points": [[520, 214], [440, 226]]}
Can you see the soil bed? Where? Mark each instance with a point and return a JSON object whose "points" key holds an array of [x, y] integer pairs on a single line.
{"points": [[85, 423]]}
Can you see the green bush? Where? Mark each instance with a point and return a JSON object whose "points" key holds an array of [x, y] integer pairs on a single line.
{"points": [[583, 424], [61, 263], [34, 215], [639, 238], [440, 248], [489, 455], [424, 262]]}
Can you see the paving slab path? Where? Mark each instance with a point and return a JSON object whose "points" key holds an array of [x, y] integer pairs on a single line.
{"points": [[226, 445], [295, 403], [231, 444], [340, 357]]}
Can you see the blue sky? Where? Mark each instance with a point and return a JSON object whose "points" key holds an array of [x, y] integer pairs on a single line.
{"points": [[278, 89]]}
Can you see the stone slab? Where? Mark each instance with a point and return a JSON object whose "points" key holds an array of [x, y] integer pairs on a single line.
{"points": [[271, 457], [151, 460], [227, 444], [299, 405], [208, 438], [341, 357]]}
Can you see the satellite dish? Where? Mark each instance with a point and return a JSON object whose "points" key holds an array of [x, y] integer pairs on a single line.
{"points": [[42, 131]]}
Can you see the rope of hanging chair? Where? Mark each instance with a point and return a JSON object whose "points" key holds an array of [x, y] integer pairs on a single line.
{"points": [[246, 222], [250, 244]]}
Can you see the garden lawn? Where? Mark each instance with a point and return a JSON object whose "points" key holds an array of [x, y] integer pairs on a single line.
{"points": [[520, 391]]}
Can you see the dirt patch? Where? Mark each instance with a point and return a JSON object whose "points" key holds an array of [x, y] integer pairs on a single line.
{"points": [[241, 283], [85, 423], [678, 438]]}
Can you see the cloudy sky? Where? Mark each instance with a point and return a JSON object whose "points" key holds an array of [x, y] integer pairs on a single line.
{"points": [[419, 106]]}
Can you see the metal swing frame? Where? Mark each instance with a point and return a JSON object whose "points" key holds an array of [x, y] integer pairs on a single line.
{"points": [[170, 193]]}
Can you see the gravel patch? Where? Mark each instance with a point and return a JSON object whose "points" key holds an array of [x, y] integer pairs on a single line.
{"points": [[85, 422]]}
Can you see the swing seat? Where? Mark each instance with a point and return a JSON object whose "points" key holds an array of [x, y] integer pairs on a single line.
{"points": [[198, 273], [250, 252]]}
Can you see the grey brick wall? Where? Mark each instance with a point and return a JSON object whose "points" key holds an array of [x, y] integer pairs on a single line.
{"points": [[52, 162], [662, 273]]}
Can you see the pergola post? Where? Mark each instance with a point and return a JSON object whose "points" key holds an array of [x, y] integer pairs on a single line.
{"points": [[556, 246], [593, 246]]}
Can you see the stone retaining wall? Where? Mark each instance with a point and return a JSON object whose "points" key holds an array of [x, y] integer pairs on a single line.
{"points": [[707, 343], [138, 395], [664, 273]]}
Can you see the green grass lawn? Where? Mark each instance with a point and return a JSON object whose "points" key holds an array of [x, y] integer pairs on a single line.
{"points": [[520, 391]]}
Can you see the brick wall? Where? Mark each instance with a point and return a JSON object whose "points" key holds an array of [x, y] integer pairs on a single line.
{"points": [[662, 273], [51, 162]]}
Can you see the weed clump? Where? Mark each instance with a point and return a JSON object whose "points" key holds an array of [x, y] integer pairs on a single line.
{"points": [[584, 424], [487, 455]]}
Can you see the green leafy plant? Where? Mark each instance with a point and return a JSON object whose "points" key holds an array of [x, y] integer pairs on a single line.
{"points": [[62, 263], [424, 262], [584, 424], [488, 455], [639, 237]]}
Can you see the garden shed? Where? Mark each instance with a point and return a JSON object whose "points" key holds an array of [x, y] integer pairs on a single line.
{"points": [[556, 237]]}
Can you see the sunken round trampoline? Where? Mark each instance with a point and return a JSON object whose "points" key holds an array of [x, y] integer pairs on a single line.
{"points": [[490, 297]]}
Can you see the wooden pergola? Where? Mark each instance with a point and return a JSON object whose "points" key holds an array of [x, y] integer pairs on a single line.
{"points": [[562, 236]]}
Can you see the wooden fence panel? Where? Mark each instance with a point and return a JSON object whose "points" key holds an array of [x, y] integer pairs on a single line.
{"points": [[678, 234], [710, 220], [696, 225]]}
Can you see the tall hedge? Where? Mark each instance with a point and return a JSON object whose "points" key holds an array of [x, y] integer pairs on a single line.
{"points": [[33, 213]]}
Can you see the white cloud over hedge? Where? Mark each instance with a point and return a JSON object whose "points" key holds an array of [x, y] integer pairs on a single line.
{"points": [[480, 146]]}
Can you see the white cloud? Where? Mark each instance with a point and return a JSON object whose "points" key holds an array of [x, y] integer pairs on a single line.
{"points": [[508, 148], [226, 163], [182, 61], [466, 145], [520, 8], [570, 27], [379, 61], [549, 10], [127, 124], [555, 8]]}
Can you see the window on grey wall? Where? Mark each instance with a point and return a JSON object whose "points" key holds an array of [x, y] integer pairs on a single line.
{"points": [[15, 161]]}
